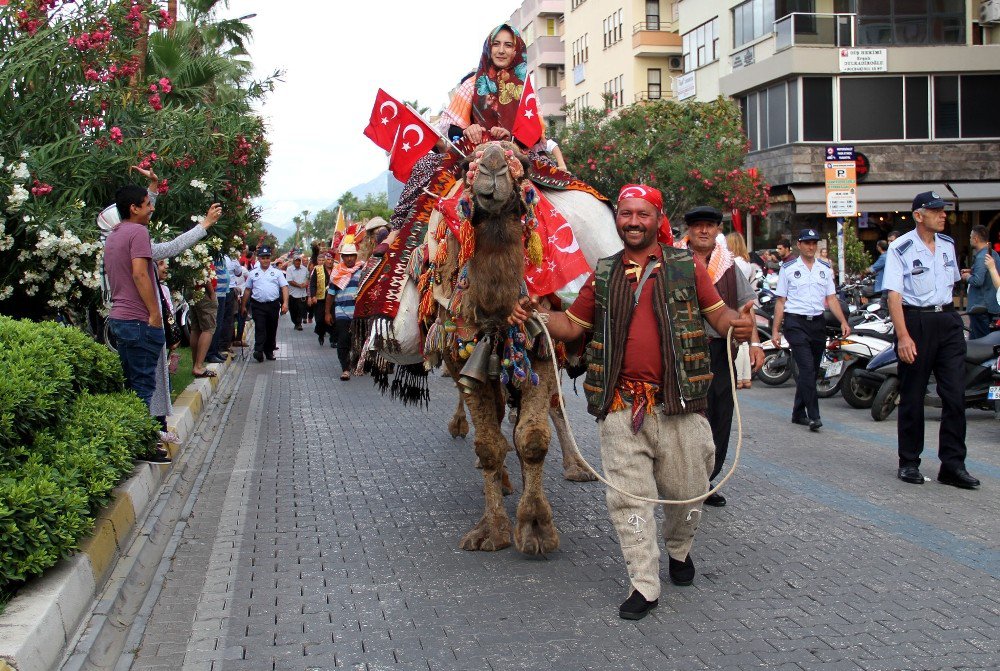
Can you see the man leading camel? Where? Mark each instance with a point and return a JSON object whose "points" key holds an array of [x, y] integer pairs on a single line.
{"points": [[647, 380]]}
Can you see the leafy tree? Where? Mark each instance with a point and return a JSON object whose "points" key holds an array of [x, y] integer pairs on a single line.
{"points": [[692, 151], [856, 257]]}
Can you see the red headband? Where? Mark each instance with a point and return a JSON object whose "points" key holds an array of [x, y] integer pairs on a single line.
{"points": [[647, 193], [654, 197]]}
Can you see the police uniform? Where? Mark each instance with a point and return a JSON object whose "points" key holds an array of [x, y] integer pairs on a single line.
{"points": [[265, 288], [805, 291], [924, 279]]}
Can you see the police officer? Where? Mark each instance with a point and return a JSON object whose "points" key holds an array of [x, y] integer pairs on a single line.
{"points": [[805, 288], [267, 292], [920, 271]]}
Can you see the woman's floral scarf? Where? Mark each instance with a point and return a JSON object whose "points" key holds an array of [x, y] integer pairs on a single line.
{"points": [[497, 92]]}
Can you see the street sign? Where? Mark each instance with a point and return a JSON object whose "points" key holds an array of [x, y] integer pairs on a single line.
{"points": [[841, 189], [840, 152]]}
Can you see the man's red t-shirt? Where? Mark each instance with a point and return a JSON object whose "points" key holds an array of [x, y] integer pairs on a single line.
{"points": [[643, 361]]}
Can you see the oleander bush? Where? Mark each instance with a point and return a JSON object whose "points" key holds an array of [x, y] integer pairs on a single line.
{"points": [[68, 435]]}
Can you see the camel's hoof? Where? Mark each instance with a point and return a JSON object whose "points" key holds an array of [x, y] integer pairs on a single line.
{"points": [[512, 416], [458, 428], [577, 473], [536, 538], [488, 536]]}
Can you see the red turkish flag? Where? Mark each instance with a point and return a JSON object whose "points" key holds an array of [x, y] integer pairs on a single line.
{"points": [[384, 122], [562, 259], [528, 123], [413, 141]]}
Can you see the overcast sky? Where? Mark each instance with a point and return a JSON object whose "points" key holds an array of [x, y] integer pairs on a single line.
{"points": [[335, 56]]}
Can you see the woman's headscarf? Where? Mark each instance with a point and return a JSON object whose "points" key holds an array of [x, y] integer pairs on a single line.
{"points": [[497, 92]]}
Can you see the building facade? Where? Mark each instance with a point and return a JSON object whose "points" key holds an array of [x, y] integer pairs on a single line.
{"points": [[625, 51], [541, 26], [912, 85]]}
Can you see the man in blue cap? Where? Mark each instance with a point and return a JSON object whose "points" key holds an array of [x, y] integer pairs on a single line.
{"points": [[805, 289], [920, 272], [267, 292]]}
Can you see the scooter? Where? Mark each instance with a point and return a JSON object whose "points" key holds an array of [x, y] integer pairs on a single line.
{"points": [[778, 363], [845, 356], [982, 379]]}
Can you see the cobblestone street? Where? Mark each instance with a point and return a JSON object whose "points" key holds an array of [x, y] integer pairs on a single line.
{"points": [[326, 536]]}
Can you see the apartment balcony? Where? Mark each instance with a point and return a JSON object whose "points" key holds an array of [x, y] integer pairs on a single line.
{"points": [[653, 39], [550, 101], [546, 50], [814, 30], [662, 93], [532, 8]]}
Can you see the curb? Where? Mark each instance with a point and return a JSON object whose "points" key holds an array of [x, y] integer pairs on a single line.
{"points": [[42, 620]]}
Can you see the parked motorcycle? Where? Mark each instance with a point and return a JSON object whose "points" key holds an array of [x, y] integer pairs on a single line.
{"points": [[845, 356]]}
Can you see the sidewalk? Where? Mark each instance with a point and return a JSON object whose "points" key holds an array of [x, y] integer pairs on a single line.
{"points": [[44, 617]]}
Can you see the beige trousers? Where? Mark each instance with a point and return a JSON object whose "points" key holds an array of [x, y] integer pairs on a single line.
{"points": [[670, 458]]}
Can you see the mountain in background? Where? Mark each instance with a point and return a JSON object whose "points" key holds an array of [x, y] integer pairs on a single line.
{"points": [[279, 232], [376, 185]]}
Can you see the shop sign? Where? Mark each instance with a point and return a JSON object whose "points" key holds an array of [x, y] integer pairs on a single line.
{"points": [[741, 59], [864, 60], [684, 86]]}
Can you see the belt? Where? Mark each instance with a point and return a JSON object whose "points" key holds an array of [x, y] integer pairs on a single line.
{"points": [[929, 308], [264, 302], [808, 318]]}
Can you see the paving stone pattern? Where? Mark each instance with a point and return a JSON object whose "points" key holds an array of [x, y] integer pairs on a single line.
{"points": [[329, 539]]}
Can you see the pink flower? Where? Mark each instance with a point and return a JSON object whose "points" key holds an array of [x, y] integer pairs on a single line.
{"points": [[163, 187], [155, 102], [91, 75], [152, 88], [116, 134], [165, 85], [41, 189]]}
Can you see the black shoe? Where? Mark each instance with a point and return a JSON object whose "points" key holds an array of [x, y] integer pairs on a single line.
{"points": [[636, 607], [333, 345], [298, 327], [215, 358], [321, 339], [814, 424], [715, 500], [270, 357], [957, 477], [682, 572], [258, 356], [910, 474], [157, 456], [800, 420]]}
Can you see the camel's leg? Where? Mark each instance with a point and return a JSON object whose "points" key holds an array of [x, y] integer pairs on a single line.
{"points": [[458, 427], [534, 532], [493, 530], [573, 468]]}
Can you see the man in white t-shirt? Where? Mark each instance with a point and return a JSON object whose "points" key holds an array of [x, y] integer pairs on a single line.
{"points": [[297, 275]]}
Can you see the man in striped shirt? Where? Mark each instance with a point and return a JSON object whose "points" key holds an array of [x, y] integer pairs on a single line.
{"points": [[341, 294]]}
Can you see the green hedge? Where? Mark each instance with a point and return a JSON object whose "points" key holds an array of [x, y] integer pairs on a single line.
{"points": [[68, 436]]}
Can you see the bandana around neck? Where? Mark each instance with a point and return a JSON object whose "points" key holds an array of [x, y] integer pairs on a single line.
{"points": [[497, 92], [719, 261]]}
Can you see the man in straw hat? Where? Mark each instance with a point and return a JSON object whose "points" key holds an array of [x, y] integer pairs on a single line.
{"points": [[341, 292]]}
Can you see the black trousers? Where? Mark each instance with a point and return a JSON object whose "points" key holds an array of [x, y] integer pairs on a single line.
{"points": [[342, 332], [225, 329], [319, 319], [265, 325], [720, 402], [807, 338], [297, 310], [940, 343]]}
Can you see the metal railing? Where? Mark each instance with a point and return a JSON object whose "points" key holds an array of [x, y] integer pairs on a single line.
{"points": [[660, 26], [814, 30], [654, 94]]}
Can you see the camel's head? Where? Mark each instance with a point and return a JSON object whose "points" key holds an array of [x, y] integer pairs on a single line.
{"points": [[494, 176]]}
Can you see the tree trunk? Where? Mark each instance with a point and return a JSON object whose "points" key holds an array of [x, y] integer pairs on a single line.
{"points": [[172, 13]]}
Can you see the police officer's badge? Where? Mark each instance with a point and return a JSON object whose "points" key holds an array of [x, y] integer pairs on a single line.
{"points": [[822, 274], [798, 274]]}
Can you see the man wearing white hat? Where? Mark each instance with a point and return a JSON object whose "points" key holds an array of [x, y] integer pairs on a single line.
{"points": [[341, 293]]}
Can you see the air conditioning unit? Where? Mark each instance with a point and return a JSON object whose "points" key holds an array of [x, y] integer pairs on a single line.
{"points": [[989, 11], [675, 63]]}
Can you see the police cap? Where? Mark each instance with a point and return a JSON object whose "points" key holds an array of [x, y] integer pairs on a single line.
{"points": [[264, 251], [808, 234], [929, 200]]}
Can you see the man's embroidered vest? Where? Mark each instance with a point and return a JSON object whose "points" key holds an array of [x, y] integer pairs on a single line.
{"points": [[683, 345]]}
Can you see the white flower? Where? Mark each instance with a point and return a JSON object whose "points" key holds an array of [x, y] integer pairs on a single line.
{"points": [[18, 196], [21, 172], [5, 292], [24, 154], [200, 185]]}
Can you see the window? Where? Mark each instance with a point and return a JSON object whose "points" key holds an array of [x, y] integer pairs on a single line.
{"points": [[576, 3], [580, 50], [752, 20], [701, 46], [654, 77], [917, 112], [901, 22], [613, 29], [614, 91], [817, 109], [979, 117], [871, 108], [945, 107], [767, 115], [553, 75], [777, 115], [579, 104], [550, 27], [652, 14]]}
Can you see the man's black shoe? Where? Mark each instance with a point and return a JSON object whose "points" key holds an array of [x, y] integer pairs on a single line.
{"points": [[910, 474], [298, 327], [270, 357], [814, 424], [957, 477], [333, 344], [258, 356], [800, 420], [214, 358], [321, 339], [682, 572], [157, 456], [715, 500], [636, 607]]}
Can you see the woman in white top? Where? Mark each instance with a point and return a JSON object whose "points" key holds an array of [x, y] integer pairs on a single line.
{"points": [[741, 258]]}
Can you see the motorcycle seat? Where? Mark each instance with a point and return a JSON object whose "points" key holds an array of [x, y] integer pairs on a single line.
{"points": [[978, 352]]}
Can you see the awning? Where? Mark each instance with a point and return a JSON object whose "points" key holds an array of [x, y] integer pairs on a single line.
{"points": [[811, 199], [977, 195]]}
